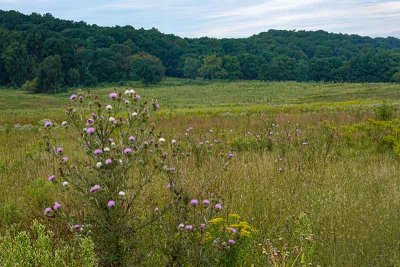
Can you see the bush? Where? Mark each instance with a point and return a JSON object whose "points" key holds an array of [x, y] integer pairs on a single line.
{"points": [[30, 86], [39, 248]]}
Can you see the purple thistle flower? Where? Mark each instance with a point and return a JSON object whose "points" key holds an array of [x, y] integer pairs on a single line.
{"points": [[90, 121], [233, 230], [194, 202], [231, 242], [51, 178], [47, 211], [189, 227], [127, 151], [64, 159], [169, 186], [110, 140], [108, 161], [57, 206], [48, 124], [113, 95], [218, 206], [138, 97], [59, 150], [132, 139], [111, 203], [94, 188], [98, 152], [202, 226], [206, 202], [90, 130], [231, 155], [73, 97], [77, 227]]}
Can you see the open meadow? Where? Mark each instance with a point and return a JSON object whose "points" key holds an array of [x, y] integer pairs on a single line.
{"points": [[311, 168]]}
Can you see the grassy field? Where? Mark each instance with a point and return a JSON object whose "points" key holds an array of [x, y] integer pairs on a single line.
{"points": [[329, 152]]}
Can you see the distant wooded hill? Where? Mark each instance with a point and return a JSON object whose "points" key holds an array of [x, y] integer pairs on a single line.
{"points": [[47, 53]]}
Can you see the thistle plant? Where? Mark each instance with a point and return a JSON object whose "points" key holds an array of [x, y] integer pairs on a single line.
{"points": [[122, 155]]}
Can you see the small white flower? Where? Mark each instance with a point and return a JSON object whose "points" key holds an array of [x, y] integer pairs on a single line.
{"points": [[134, 114], [173, 141], [113, 144], [109, 107], [112, 120], [122, 193], [211, 131], [156, 209], [161, 140], [99, 164], [65, 183], [126, 102], [106, 149], [64, 123]]}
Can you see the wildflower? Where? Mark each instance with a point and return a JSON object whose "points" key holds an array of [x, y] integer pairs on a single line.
{"points": [[194, 202], [59, 150], [121, 193], [47, 211], [132, 139], [231, 242], [90, 130], [156, 209], [99, 164], [206, 202], [127, 151], [57, 206], [189, 227], [134, 114], [231, 155], [218, 206], [94, 188], [98, 152], [64, 123], [48, 124], [73, 97], [65, 183], [113, 95], [111, 203], [51, 178], [77, 227], [161, 140], [130, 92], [126, 102], [109, 107], [181, 226], [108, 161], [232, 230], [202, 226], [64, 159], [169, 186], [90, 121], [106, 149], [173, 141], [112, 120], [217, 220], [110, 140], [138, 97]]}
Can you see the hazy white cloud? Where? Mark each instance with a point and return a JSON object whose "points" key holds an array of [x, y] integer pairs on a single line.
{"points": [[227, 18]]}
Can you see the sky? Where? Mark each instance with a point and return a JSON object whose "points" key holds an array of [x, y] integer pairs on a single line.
{"points": [[227, 18]]}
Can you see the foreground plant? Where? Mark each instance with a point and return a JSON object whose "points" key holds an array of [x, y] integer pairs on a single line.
{"points": [[122, 156]]}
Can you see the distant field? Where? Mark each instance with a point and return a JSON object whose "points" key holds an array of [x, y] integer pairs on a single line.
{"points": [[212, 98]]}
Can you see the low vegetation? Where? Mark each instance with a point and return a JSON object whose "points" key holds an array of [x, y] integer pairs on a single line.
{"points": [[240, 174]]}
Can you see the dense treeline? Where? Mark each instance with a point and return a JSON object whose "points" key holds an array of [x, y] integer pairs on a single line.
{"points": [[44, 54]]}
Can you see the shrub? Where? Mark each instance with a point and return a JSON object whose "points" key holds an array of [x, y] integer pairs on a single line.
{"points": [[30, 86], [39, 248]]}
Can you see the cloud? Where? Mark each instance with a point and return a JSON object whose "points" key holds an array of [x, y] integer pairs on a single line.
{"points": [[227, 18]]}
